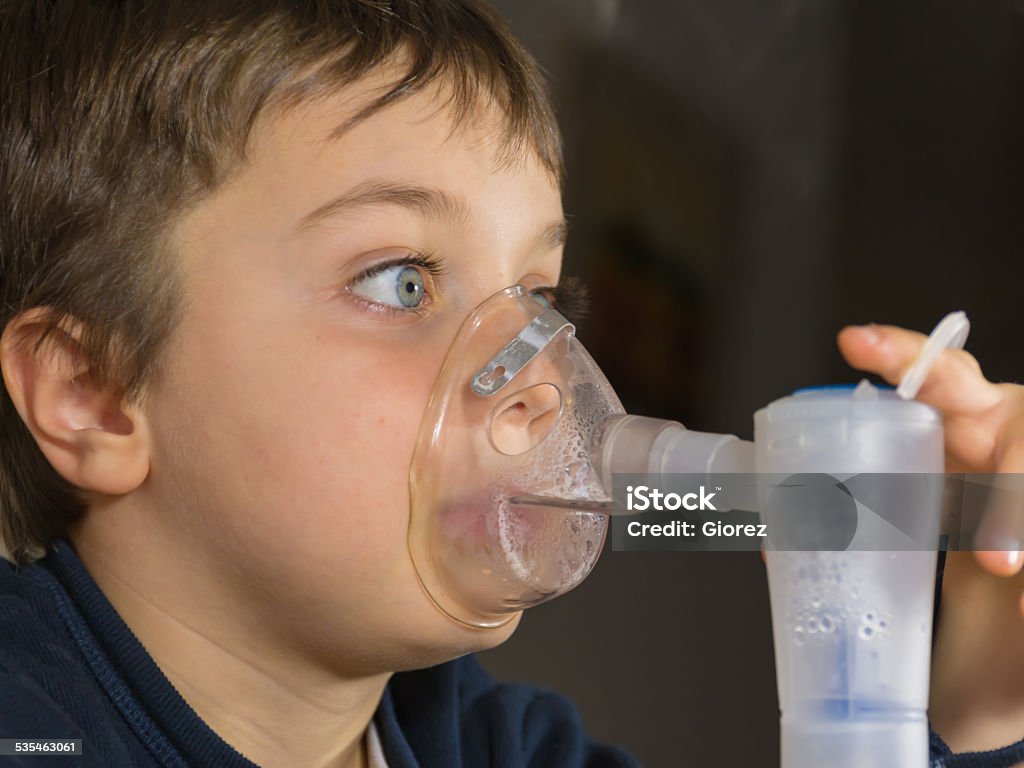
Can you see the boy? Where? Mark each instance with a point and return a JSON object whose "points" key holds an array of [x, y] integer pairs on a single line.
{"points": [[238, 240], [263, 177]]}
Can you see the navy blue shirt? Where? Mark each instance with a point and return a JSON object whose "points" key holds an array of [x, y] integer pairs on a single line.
{"points": [[942, 756], [70, 668]]}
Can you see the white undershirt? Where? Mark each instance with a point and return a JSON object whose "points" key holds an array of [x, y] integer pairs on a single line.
{"points": [[374, 751]]}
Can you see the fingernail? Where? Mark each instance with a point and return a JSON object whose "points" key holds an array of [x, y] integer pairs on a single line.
{"points": [[1013, 557], [867, 333]]}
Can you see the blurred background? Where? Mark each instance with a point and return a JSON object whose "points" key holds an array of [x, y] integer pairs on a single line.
{"points": [[744, 178]]}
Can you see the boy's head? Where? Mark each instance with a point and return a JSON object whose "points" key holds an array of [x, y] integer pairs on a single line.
{"points": [[237, 239]]}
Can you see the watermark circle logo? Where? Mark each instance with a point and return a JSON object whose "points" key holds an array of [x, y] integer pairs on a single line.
{"points": [[810, 512]]}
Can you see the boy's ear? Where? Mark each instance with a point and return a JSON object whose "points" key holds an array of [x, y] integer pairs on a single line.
{"points": [[87, 432]]}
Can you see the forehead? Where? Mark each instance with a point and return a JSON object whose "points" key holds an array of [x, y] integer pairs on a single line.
{"points": [[429, 131]]}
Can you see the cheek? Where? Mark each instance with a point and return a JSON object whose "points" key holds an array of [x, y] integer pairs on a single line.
{"points": [[356, 447], [305, 452]]}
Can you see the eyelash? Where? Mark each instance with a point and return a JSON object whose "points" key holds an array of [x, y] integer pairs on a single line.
{"points": [[570, 296]]}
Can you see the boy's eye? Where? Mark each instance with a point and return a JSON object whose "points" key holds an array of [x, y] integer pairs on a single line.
{"points": [[399, 285]]}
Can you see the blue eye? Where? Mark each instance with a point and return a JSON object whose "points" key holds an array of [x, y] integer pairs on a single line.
{"points": [[410, 287], [393, 285], [540, 295]]}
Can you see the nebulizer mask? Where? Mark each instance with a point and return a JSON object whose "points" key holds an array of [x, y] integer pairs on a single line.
{"points": [[507, 508]]}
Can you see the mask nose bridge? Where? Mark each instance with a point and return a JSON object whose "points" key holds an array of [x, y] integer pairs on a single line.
{"points": [[530, 342], [524, 418]]}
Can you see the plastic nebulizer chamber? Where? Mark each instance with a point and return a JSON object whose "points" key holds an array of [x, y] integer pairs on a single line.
{"points": [[506, 508]]}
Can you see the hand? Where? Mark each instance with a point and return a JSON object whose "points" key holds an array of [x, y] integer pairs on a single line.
{"points": [[983, 422]]}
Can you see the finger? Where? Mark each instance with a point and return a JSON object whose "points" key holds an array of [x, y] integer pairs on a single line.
{"points": [[955, 384], [1003, 526], [1010, 448]]}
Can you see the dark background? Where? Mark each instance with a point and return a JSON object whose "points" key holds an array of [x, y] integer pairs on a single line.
{"points": [[744, 178]]}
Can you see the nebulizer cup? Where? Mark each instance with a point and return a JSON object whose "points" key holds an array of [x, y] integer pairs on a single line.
{"points": [[852, 627]]}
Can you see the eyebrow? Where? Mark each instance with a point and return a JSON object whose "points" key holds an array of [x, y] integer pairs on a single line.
{"points": [[553, 235], [428, 201]]}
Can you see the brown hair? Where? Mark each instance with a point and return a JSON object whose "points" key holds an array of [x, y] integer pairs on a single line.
{"points": [[116, 114]]}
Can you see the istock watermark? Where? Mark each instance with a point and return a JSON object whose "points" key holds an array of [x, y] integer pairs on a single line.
{"points": [[642, 498], [803, 511]]}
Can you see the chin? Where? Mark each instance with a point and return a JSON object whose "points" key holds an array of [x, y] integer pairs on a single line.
{"points": [[454, 641]]}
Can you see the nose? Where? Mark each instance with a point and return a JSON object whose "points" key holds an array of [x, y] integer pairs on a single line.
{"points": [[523, 419]]}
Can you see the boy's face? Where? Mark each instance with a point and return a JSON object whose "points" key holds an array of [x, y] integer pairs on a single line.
{"points": [[284, 417]]}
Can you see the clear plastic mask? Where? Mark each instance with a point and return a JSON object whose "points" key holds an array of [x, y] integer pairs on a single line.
{"points": [[502, 481]]}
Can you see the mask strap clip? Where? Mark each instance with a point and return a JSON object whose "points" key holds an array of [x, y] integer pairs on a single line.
{"points": [[517, 354]]}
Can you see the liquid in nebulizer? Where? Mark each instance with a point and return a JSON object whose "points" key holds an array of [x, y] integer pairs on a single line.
{"points": [[852, 657]]}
